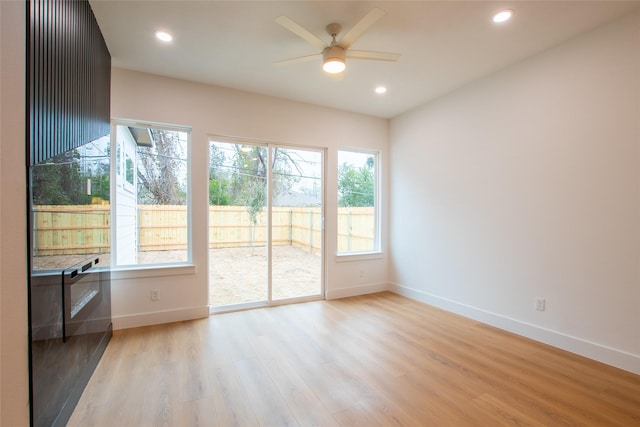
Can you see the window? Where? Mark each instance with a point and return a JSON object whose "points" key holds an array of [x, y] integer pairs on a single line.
{"points": [[151, 209], [129, 170], [357, 202]]}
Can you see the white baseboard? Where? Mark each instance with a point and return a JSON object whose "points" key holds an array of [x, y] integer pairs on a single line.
{"points": [[158, 317], [610, 356], [357, 290]]}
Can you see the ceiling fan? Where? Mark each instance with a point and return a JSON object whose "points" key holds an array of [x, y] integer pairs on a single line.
{"points": [[333, 54]]}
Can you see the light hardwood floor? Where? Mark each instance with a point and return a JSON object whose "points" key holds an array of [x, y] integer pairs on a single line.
{"points": [[375, 360]]}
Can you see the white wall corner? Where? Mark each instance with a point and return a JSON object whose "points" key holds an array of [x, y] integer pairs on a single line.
{"points": [[14, 342], [357, 290], [610, 356], [159, 317]]}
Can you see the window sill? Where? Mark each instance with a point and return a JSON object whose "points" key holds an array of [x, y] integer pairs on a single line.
{"points": [[139, 272], [359, 256]]}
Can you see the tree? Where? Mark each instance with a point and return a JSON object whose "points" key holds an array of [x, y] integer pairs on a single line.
{"points": [[99, 183], [240, 177], [75, 177], [218, 179], [59, 182], [161, 169], [285, 170], [249, 178], [356, 186], [97, 170], [218, 192]]}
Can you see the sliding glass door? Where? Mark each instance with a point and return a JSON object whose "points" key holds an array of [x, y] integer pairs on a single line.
{"points": [[296, 207], [265, 224]]}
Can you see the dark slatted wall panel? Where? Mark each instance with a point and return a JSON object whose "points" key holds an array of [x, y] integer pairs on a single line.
{"points": [[69, 78]]}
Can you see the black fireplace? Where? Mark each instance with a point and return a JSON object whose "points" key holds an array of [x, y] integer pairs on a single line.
{"points": [[82, 295], [68, 160], [65, 350], [70, 294]]}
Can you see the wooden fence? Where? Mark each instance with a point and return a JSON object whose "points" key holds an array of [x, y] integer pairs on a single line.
{"points": [[70, 230], [66, 230]]}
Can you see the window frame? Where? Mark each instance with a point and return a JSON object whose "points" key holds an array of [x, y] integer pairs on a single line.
{"points": [[162, 268], [376, 252]]}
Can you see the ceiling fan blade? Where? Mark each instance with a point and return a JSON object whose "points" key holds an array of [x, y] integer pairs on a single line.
{"points": [[296, 29], [376, 56], [359, 29], [299, 59]]}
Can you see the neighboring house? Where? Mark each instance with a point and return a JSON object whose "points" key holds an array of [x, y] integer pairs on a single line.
{"points": [[126, 223], [295, 198]]}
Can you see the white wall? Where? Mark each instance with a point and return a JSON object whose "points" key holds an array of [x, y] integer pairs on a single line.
{"points": [[526, 184], [14, 374], [212, 110]]}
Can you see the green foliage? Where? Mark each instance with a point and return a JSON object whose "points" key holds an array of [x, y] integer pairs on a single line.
{"points": [[218, 192], [100, 185], [254, 197], [248, 179], [356, 186], [62, 180], [58, 183], [240, 178]]}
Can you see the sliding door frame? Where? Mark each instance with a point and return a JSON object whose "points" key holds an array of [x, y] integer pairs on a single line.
{"points": [[269, 232]]}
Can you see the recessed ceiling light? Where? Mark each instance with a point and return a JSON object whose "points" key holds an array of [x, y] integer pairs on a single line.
{"points": [[164, 36], [380, 90], [503, 15]]}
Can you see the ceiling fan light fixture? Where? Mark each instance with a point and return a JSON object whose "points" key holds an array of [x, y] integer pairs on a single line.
{"points": [[333, 59], [334, 66]]}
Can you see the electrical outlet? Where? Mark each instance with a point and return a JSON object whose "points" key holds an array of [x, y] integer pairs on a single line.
{"points": [[361, 274], [539, 304], [155, 295]]}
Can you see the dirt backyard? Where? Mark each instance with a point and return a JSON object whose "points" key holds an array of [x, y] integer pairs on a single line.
{"points": [[236, 275], [239, 275]]}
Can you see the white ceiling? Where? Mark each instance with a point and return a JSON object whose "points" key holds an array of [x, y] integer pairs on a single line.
{"points": [[444, 44]]}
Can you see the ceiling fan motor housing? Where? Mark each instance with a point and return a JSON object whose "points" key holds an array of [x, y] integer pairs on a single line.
{"points": [[333, 53]]}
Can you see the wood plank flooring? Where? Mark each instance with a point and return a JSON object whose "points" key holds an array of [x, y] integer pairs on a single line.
{"points": [[374, 360]]}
